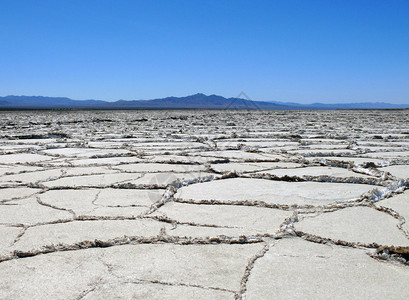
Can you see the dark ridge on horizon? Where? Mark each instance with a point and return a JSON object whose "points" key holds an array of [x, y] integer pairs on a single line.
{"points": [[196, 101]]}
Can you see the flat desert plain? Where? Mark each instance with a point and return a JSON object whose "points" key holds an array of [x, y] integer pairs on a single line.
{"points": [[204, 204]]}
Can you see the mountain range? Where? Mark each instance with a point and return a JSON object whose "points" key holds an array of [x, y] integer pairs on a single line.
{"points": [[197, 101]]}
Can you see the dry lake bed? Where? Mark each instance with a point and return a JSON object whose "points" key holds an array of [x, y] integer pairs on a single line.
{"points": [[204, 204]]}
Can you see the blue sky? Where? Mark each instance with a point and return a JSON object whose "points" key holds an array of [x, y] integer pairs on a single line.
{"points": [[302, 51]]}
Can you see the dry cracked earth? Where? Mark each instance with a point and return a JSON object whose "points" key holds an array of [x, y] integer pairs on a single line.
{"points": [[204, 205]]}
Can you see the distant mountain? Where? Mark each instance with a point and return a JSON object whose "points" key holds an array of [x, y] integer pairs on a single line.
{"points": [[43, 102], [197, 101], [363, 105]]}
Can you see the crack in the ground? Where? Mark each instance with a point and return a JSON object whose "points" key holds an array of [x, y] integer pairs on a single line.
{"points": [[181, 284], [320, 178], [392, 254], [96, 199], [161, 238], [19, 236], [323, 240], [394, 214], [74, 215], [89, 291], [166, 197], [249, 267], [166, 219]]}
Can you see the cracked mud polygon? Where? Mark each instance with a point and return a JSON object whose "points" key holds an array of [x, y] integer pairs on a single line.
{"points": [[204, 204]]}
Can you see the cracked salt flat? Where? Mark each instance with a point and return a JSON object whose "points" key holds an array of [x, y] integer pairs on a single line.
{"points": [[317, 152], [23, 158], [182, 159], [31, 177], [102, 202], [8, 170], [81, 231], [368, 226], [271, 192], [389, 155], [400, 205], [91, 180], [315, 271], [7, 237], [240, 155], [355, 160], [18, 193], [212, 267], [183, 205], [157, 167], [107, 161], [87, 171], [30, 211], [261, 144], [163, 179], [315, 171], [83, 152], [156, 290], [400, 171], [251, 167], [252, 220], [129, 197]]}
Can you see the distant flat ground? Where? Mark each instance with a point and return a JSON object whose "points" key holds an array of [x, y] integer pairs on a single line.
{"points": [[172, 204]]}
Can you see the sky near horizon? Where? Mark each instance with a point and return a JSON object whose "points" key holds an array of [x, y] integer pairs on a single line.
{"points": [[298, 51]]}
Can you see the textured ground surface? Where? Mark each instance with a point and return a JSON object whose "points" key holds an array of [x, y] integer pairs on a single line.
{"points": [[204, 205]]}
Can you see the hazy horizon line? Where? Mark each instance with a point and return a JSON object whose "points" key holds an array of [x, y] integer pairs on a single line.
{"points": [[238, 97]]}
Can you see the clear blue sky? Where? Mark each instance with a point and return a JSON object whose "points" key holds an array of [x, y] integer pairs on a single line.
{"points": [[303, 51]]}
